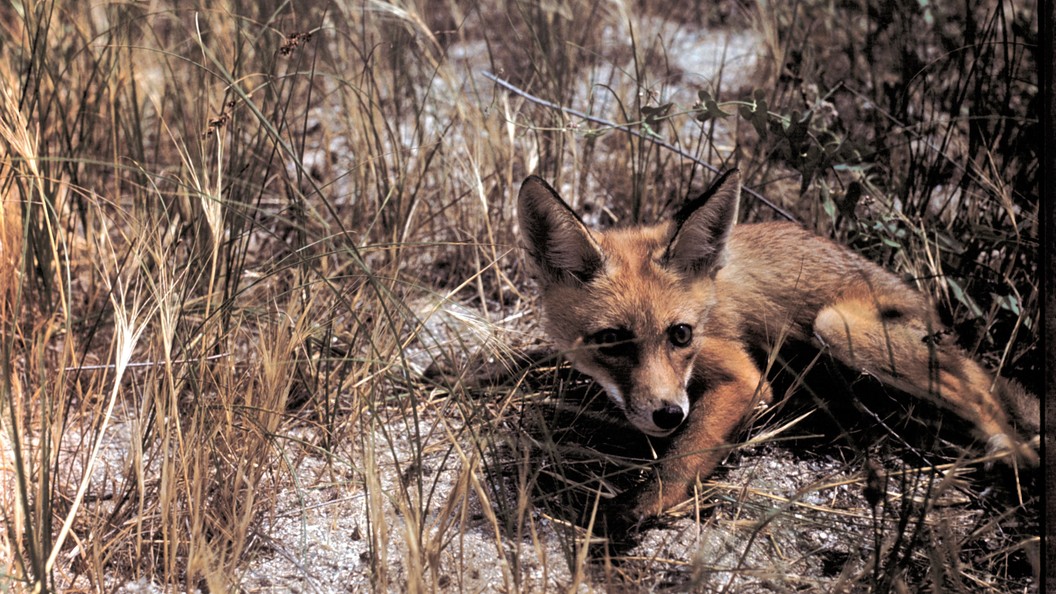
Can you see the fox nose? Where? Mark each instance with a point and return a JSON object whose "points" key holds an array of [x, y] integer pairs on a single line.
{"points": [[668, 417]]}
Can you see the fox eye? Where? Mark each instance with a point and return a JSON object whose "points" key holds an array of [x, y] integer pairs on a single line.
{"points": [[614, 342], [680, 334]]}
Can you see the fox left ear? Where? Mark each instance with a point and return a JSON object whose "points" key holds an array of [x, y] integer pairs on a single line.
{"points": [[556, 239], [702, 227]]}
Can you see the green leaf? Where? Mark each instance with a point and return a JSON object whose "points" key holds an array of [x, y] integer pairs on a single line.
{"points": [[1007, 302], [827, 204], [708, 108], [964, 298], [757, 113], [649, 130], [654, 116]]}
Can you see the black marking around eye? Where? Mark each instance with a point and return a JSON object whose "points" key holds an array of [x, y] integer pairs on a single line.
{"points": [[615, 342], [891, 313]]}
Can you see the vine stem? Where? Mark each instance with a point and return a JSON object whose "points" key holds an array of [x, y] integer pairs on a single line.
{"points": [[625, 128]]}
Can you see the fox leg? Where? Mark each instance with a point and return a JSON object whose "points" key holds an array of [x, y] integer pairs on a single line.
{"points": [[732, 388], [894, 340]]}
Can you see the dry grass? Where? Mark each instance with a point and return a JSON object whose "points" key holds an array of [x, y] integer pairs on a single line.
{"points": [[238, 240]]}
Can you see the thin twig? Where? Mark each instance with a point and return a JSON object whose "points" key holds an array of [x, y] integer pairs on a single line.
{"points": [[625, 128]]}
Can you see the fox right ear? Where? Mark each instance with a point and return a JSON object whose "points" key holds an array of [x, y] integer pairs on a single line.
{"points": [[703, 226], [556, 238]]}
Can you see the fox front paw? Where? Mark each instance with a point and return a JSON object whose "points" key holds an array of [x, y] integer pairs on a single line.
{"points": [[629, 513]]}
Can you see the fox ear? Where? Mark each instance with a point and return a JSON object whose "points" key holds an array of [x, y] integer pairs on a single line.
{"points": [[702, 227], [556, 239]]}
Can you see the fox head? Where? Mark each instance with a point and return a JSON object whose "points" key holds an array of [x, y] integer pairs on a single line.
{"points": [[629, 306]]}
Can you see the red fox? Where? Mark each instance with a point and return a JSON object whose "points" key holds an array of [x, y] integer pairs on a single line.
{"points": [[662, 317]]}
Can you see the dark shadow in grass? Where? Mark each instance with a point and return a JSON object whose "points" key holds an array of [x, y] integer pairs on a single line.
{"points": [[862, 421], [855, 411], [570, 453], [574, 457]]}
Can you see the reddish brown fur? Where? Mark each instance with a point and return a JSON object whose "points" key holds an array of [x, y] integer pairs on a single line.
{"points": [[758, 283]]}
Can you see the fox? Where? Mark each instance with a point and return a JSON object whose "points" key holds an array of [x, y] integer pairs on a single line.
{"points": [[663, 317]]}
